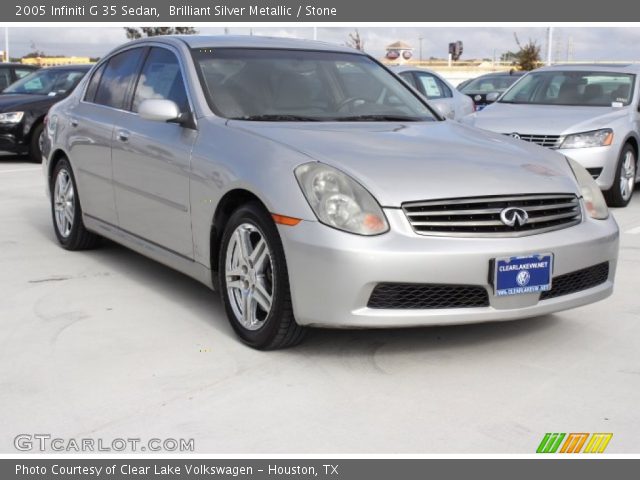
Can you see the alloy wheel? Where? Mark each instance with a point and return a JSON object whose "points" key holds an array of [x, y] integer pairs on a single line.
{"points": [[249, 276], [64, 203], [627, 175]]}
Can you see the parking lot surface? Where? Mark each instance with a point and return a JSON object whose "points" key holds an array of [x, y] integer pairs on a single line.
{"points": [[107, 344]]}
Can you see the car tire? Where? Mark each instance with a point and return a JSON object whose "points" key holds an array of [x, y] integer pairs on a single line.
{"points": [[620, 193], [66, 212], [35, 152], [254, 281]]}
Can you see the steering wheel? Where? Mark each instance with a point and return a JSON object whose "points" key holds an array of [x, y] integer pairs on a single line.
{"points": [[349, 101]]}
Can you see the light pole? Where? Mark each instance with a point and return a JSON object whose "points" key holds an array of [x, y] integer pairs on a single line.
{"points": [[420, 38], [6, 44]]}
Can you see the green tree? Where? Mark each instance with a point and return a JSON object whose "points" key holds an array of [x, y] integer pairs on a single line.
{"points": [[134, 33], [528, 57]]}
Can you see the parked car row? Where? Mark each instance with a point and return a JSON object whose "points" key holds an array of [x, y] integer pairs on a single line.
{"points": [[589, 113], [312, 186], [25, 103]]}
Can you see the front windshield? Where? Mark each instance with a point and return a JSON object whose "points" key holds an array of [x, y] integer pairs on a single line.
{"points": [[494, 83], [300, 85], [598, 89], [47, 82]]}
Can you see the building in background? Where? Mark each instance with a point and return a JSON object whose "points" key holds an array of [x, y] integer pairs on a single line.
{"points": [[399, 52], [55, 61]]}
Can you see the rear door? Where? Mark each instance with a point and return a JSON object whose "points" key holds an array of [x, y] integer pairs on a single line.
{"points": [[92, 122], [152, 160]]}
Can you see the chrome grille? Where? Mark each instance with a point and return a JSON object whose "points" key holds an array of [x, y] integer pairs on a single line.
{"points": [[480, 216], [549, 141]]}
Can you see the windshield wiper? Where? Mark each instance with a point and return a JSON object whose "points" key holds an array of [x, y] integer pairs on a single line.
{"points": [[277, 118], [380, 118]]}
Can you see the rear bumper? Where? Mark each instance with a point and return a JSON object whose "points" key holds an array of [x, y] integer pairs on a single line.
{"points": [[332, 273]]}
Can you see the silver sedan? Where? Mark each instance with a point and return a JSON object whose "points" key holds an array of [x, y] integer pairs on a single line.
{"points": [[437, 90], [312, 187], [588, 113]]}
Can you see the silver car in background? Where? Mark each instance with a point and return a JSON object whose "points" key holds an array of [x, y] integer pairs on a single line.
{"points": [[438, 91], [587, 113], [312, 187]]}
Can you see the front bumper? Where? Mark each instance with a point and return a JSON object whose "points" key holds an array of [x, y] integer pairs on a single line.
{"points": [[332, 274], [605, 158], [12, 139]]}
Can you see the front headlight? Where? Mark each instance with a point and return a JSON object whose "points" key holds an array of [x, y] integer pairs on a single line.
{"points": [[596, 138], [593, 200], [11, 117], [339, 201]]}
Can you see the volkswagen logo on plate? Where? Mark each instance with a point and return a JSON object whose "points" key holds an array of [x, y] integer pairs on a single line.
{"points": [[477, 98], [514, 217], [523, 278], [515, 135]]}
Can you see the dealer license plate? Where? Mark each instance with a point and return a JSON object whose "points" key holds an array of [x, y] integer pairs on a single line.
{"points": [[520, 275]]}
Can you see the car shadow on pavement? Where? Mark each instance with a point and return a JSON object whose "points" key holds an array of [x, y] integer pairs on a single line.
{"points": [[207, 306]]}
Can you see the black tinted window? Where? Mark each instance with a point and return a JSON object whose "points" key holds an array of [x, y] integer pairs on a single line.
{"points": [[5, 77], [117, 77], [92, 88], [161, 78]]}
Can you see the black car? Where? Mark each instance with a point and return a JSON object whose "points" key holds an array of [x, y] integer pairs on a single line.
{"points": [[24, 104], [10, 72], [496, 83]]}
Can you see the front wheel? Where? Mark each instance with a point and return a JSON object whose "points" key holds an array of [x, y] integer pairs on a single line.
{"points": [[254, 281], [620, 193], [35, 144]]}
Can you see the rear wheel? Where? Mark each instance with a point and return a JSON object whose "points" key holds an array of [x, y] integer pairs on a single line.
{"points": [[624, 181], [254, 281], [35, 144], [66, 210]]}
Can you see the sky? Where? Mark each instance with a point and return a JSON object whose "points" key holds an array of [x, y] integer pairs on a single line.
{"points": [[570, 43]]}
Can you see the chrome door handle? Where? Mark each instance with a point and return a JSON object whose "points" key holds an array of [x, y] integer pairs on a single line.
{"points": [[123, 135], [73, 122]]}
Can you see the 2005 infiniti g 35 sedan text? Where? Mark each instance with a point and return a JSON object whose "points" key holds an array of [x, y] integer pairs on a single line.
{"points": [[312, 187]]}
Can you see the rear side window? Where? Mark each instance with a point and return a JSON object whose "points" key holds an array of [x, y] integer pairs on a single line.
{"points": [[92, 88], [161, 78], [408, 77], [22, 72], [117, 78], [433, 87], [5, 78]]}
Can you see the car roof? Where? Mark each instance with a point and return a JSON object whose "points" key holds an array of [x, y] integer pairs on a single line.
{"points": [[409, 68], [594, 67], [16, 64], [247, 41], [82, 66]]}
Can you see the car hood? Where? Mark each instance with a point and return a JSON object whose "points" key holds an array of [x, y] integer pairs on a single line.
{"points": [[9, 101], [544, 119], [400, 162]]}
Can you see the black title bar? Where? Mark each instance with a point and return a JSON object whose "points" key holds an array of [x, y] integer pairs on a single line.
{"points": [[140, 12]]}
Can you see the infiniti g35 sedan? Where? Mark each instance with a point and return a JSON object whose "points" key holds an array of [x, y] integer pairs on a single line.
{"points": [[311, 186], [588, 113]]}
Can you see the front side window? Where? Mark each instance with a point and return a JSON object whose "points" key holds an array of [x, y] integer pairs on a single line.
{"points": [[52, 82], [599, 89], [298, 85], [117, 77], [161, 78], [5, 77]]}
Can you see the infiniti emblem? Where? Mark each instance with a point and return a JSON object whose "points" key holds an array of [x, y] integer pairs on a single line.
{"points": [[514, 217], [515, 135]]}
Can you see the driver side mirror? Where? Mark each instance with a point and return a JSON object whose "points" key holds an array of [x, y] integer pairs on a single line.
{"points": [[159, 110], [492, 97]]}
